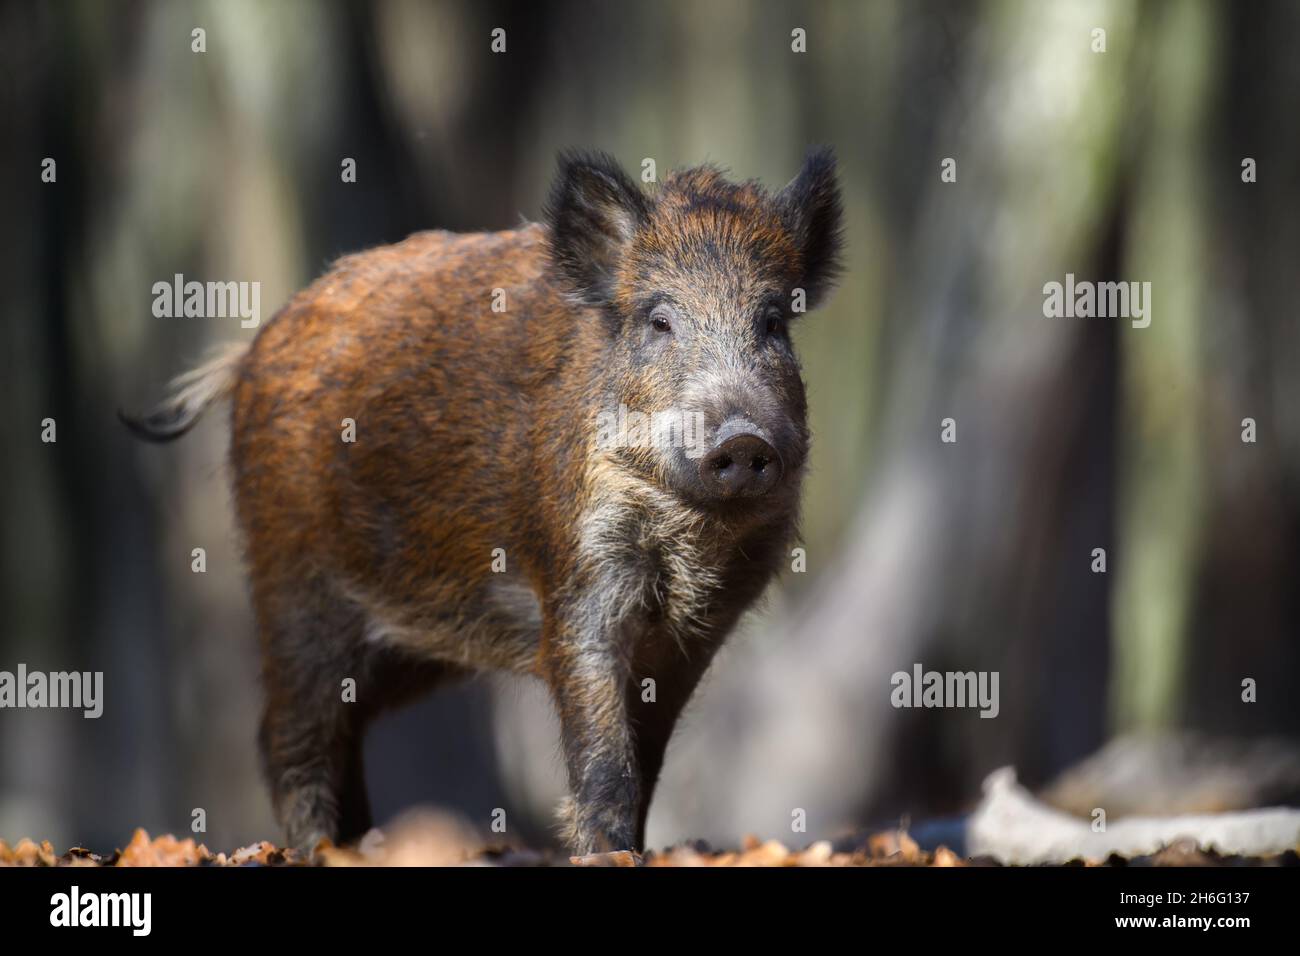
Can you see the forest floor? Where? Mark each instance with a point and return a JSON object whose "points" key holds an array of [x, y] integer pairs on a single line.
{"points": [[434, 844]]}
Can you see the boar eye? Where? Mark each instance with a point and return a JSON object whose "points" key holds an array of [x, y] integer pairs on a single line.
{"points": [[772, 320], [660, 319]]}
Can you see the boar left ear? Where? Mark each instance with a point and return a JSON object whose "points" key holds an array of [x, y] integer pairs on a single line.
{"points": [[594, 211], [810, 205]]}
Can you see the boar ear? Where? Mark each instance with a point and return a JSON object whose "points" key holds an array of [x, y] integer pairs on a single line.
{"points": [[810, 205], [594, 210]]}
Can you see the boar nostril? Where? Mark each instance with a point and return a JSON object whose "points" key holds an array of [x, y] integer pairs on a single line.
{"points": [[739, 443]]}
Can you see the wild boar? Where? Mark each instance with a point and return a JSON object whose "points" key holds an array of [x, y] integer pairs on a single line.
{"points": [[426, 487]]}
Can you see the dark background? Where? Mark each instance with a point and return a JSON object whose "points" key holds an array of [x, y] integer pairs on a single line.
{"points": [[1073, 434]]}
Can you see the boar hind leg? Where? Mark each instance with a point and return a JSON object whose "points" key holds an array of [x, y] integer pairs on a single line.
{"points": [[312, 764], [311, 737], [324, 683]]}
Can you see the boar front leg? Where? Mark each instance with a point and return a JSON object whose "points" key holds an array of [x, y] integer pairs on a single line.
{"points": [[587, 673], [665, 674]]}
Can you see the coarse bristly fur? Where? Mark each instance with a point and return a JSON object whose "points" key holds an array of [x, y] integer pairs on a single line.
{"points": [[475, 521]]}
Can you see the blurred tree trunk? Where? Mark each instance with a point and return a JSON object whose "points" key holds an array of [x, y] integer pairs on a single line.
{"points": [[1246, 604]]}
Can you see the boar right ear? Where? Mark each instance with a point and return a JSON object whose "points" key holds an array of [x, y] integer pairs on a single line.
{"points": [[594, 210]]}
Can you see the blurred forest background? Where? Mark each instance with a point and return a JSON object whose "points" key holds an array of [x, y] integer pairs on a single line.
{"points": [[1073, 434]]}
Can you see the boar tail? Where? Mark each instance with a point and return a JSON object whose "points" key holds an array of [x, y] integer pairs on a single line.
{"points": [[191, 392]]}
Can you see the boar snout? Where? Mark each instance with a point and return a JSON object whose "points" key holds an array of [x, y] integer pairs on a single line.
{"points": [[742, 462]]}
